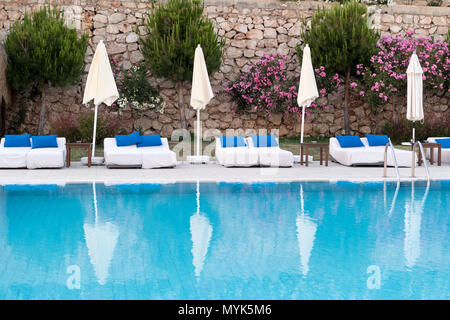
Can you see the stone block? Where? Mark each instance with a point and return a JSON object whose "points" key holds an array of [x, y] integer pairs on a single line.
{"points": [[116, 18], [233, 52], [241, 28], [132, 37], [270, 33], [100, 18], [255, 34]]}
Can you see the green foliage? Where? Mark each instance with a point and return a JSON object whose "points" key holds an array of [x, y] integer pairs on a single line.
{"points": [[108, 125], [80, 128], [15, 124], [447, 39], [174, 30], [42, 50], [434, 3], [400, 131], [368, 2], [340, 37], [136, 90], [67, 126]]}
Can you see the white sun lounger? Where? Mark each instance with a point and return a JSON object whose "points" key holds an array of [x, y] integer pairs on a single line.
{"points": [[272, 156], [236, 156], [445, 153], [158, 156], [13, 157], [132, 156], [47, 157], [26, 157], [367, 156]]}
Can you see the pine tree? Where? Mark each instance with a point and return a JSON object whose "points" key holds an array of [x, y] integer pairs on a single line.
{"points": [[43, 52], [340, 38], [174, 29]]}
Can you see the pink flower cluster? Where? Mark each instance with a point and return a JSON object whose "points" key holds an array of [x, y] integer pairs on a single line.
{"points": [[326, 84], [386, 76], [267, 88]]}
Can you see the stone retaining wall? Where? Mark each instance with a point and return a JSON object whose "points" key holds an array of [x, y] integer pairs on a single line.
{"points": [[251, 28]]}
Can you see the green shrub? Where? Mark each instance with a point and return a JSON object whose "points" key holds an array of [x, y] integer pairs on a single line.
{"points": [[67, 126], [175, 28], [43, 52], [340, 38], [401, 130], [108, 125], [434, 3], [136, 90]]}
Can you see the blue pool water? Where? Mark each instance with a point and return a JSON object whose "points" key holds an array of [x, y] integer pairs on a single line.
{"points": [[227, 241]]}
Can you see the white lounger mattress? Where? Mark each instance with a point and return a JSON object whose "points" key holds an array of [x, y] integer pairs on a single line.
{"points": [[13, 157], [145, 157], [445, 152], [158, 156], [235, 156], [272, 156], [47, 157], [368, 155], [26, 157], [121, 156]]}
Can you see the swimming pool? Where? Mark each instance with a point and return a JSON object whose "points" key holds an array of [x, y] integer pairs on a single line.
{"points": [[312, 240]]}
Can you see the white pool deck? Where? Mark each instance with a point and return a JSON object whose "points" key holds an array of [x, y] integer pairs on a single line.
{"points": [[185, 172]]}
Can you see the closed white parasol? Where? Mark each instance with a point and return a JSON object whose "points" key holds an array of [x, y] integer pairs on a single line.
{"points": [[201, 94], [100, 87], [414, 111], [307, 88]]}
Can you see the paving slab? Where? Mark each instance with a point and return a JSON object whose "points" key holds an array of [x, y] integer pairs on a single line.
{"points": [[185, 172]]}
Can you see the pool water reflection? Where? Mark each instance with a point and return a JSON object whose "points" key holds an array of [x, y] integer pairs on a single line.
{"points": [[314, 240]]}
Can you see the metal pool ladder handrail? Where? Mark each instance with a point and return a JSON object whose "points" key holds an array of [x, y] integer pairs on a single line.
{"points": [[390, 146], [413, 165]]}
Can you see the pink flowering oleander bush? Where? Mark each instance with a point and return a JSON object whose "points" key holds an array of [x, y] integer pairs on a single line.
{"points": [[326, 84], [386, 76], [267, 88]]}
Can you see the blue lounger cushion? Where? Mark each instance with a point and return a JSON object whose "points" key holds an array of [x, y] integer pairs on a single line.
{"points": [[150, 140], [128, 140], [232, 142], [377, 140], [349, 141], [49, 141], [265, 141], [445, 142], [17, 140]]}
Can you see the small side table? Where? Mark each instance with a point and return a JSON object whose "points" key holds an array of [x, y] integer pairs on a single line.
{"points": [[431, 146], [304, 147], [70, 146]]}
